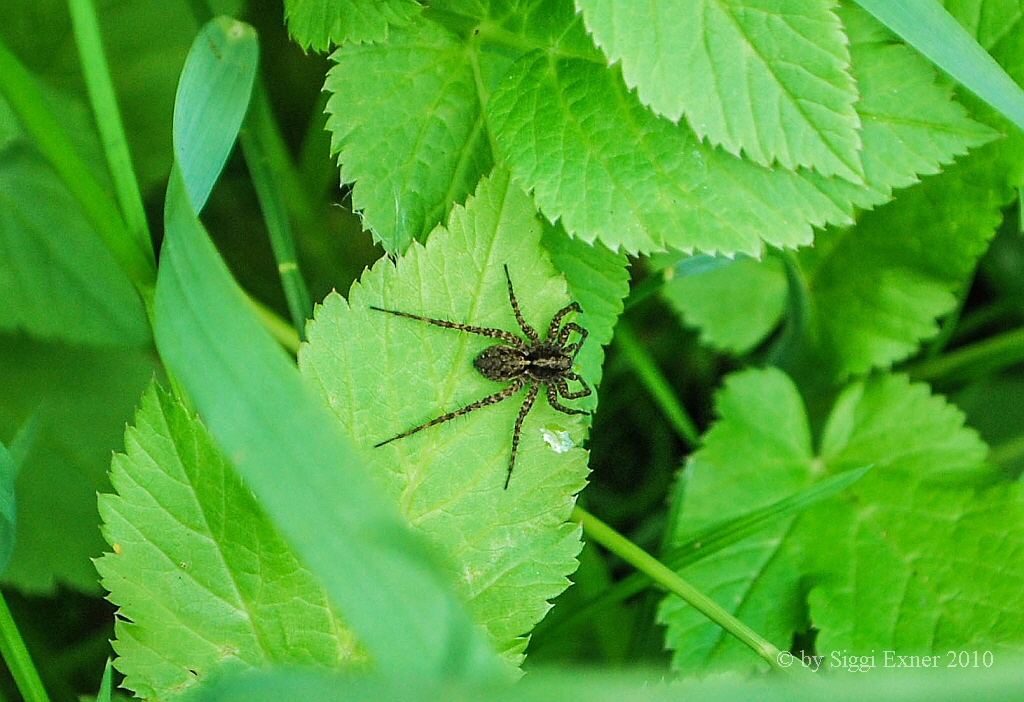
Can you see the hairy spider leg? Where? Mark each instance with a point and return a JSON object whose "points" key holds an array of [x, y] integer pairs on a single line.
{"points": [[571, 349], [530, 332], [553, 401], [505, 336], [557, 320], [531, 395], [563, 387], [511, 389]]}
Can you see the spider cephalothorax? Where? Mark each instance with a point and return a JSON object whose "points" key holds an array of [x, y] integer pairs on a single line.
{"points": [[522, 363]]}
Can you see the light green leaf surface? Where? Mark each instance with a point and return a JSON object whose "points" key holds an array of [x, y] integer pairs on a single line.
{"points": [[735, 305], [407, 126], [203, 581], [769, 80], [317, 24], [611, 170], [510, 550], [904, 559], [80, 399]]}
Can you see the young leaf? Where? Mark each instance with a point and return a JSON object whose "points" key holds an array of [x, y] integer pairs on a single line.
{"points": [[900, 560], [203, 581], [381, 374], [770, 80]]}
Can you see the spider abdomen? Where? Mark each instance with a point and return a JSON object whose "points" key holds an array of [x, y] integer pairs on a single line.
{"points": [[500, 363]]}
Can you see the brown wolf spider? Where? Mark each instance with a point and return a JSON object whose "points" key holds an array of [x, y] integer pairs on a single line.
{"points": [[529, 363]]}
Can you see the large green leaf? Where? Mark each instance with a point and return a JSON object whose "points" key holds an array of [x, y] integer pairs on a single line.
{"points": [[768, 79], [511, 550], [202, 579], [902, 560]]}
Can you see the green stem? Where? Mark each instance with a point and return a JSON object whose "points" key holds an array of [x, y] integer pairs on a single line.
{"points": [[19, 89], [625, 549], [652, 378], [18, 661], [108, 119], [270, 167], [1002, 350]]}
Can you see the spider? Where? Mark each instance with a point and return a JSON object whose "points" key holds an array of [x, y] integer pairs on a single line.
{"points": [[530, 363]]}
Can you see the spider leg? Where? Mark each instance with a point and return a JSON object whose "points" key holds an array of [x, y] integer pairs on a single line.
{"points": [[530, 332], [531, 395], [563, 387], [553, 401], [506, 392], [507, 337], [563, 336], [557, 319]]}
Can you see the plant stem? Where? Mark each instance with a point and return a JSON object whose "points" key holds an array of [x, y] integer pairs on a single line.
{"points": [[1004, 349], [18, 661], [656, 384], [663, 575], [108, 119], [269, 165]]}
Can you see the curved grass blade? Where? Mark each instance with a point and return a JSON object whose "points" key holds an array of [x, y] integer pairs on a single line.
{"points": [[280, 439]]}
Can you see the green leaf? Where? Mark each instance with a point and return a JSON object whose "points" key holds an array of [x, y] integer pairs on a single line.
{"points": [[598, 279], [902, 560], [910, 124], [79, 399], [436, 97], [876, 296], [203, 581], [735, 305], [316, 24], [57, 279], [1001, 682], [407, 126], [510, 550], [768, 79]]}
